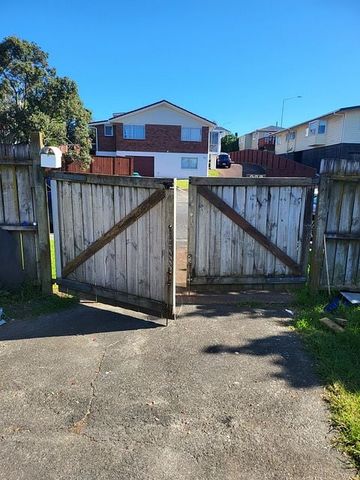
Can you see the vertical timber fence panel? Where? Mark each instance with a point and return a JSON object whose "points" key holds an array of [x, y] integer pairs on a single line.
{"points": [[23, 210], [246, 231], [115, 238], [336, 245]]}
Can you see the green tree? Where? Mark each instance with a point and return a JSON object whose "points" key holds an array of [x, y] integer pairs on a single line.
{"points": [[230, 143], [34, 98]]}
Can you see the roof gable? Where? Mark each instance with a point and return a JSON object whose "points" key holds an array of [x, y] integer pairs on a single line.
{"points": [[162, 112]]}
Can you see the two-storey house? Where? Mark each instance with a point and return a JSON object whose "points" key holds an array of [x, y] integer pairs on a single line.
{"points": [[260, 139], [165, 140], [333, 135]]}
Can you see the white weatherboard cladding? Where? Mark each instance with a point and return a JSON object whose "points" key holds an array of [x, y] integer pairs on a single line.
{"points": [[352, 127], [332, 136], [169, 164], [161, 115]]}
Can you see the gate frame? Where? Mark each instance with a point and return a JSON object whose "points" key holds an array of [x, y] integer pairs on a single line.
{"points": [[107, 295], [344, 171], [199, 182]]}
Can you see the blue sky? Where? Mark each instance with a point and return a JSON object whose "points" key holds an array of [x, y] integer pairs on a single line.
{"points": [[230, 61]]}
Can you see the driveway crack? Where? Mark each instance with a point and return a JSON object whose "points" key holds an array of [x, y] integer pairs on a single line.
{"points": [[79, 426]]}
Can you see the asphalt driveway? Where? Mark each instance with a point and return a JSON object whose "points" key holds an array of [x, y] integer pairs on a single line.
{"points": [[222, 393]]}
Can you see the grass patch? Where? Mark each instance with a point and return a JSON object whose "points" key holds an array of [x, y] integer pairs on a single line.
{"points": [[338, 362], [183, 184], [30, 302]]}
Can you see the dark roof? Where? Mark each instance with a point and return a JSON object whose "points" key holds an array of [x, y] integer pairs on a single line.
{"points": [[98, 121], [153, 105]]}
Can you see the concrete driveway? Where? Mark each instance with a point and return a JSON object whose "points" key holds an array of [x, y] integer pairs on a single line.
{"points": [[100, 393]]}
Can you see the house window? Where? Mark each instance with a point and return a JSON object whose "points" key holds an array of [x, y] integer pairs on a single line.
{"points": [[313, 128], [214, 141], [290, 136], [191, 134], [108, 131], [316, 127], [136, 132], [189, 163], [278, 140], [322, 127]]}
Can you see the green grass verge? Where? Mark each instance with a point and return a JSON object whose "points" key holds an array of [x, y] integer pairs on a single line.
{"points": [[338, 362], [184, 183], [28, 301]]}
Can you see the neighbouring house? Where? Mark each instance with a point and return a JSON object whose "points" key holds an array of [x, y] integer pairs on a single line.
{"points": [[333, 135], [164, 139], [260, 139]]}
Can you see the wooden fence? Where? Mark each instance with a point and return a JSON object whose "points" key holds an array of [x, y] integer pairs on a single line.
{"points": [[249, 230], [105, 165], [115, 239], [336, 246], [23, 210], [274, 165]]}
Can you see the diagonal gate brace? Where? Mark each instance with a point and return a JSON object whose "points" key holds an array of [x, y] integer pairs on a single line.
{"points": [[119, 227], [248, 228]]}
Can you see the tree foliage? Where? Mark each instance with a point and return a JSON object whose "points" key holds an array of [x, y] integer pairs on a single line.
{"points": [[34, 98], [230, 143]]}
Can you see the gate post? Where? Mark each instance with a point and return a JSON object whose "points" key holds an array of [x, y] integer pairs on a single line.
{"points": [[319, 231], [42, 213]]}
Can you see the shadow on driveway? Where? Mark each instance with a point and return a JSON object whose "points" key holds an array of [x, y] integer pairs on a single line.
{"points": [[82, 320]]}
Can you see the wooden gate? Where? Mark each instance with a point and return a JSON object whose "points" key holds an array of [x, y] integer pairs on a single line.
{"points": [[249, 230], [115, 239], [336, 257]]}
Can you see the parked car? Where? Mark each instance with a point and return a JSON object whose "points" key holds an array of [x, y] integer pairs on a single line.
{"points": [[223, 160]]}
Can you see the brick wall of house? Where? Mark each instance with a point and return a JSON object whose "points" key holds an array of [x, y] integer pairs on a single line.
{"points": [[105, 144], [158, 138]]}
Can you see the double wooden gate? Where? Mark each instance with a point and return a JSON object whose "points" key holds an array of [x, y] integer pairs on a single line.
{"points": [[249, 230], [115, 238]]}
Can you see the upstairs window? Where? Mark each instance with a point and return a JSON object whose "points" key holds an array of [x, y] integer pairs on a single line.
{"points": [[318, 127], [322, 127], [278, 140], [135, 132], [290, 136], [214, 141], [108, 131], [191, 134]]}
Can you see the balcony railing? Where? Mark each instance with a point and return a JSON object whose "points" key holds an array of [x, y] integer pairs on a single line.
{"points": [[267, 143]]}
